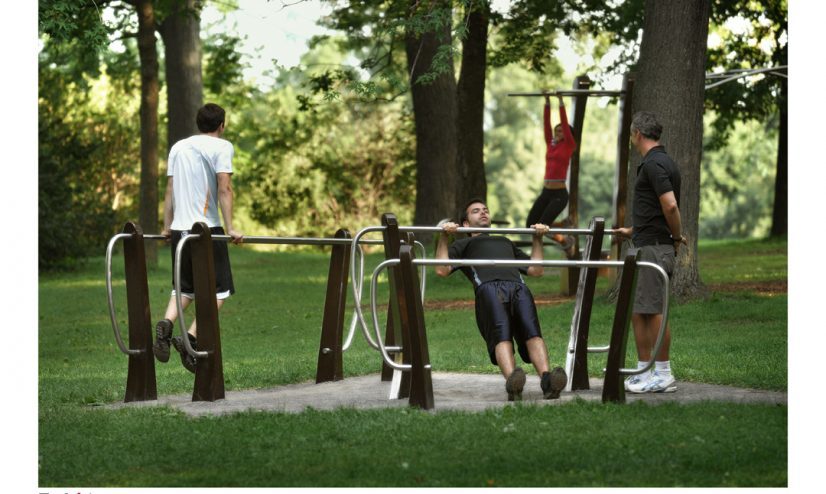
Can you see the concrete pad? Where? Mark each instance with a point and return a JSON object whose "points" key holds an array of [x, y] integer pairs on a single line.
{"points": [[451, 391]]}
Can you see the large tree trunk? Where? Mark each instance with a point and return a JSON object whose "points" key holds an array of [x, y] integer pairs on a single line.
{"points": [[181, 32], [434, 108], [471, 108], [670, 83], [148, 204], [780, 212]]}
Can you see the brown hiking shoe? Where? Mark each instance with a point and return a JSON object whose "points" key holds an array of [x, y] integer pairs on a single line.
{"points": [[514, 384], [163, 336], [553, 383], [188, 361]]}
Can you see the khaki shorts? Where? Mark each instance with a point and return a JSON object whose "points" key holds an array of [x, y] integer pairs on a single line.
{"points": [[649, 296]]}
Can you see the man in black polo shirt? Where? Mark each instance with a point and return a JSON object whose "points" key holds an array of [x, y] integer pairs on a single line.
{"points": [[505, 309], [657, 232]]}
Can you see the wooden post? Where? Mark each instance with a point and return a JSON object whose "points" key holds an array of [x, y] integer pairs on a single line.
{"points": [[613, 389], [578, 121], [412, 315], [330, 348], [581, 321], [623, 153], [209, 373], [140, 378], [392, 242]]}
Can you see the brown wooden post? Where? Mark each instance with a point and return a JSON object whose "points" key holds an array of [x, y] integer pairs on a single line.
{"points": [[577, 117], [209, 373], [140, 378], [585, 304], [623, 153], [571, 275], [613, 389], [330, 348], [412, 315], [392, 242]]}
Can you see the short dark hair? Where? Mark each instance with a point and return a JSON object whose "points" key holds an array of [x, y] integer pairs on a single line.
{"points": [[463, 213], [210, 117], [646, 122], [571, 127]]}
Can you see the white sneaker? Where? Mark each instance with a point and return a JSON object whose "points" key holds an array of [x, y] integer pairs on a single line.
{"points": [[660, 383], [637, 382]]}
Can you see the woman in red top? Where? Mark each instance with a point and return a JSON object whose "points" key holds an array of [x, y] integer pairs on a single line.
{"points": [[560, 146]]}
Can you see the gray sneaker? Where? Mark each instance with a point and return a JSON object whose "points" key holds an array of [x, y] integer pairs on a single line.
{"points": [[514, 384], [163, 336], [188, 361], [553, 383]]}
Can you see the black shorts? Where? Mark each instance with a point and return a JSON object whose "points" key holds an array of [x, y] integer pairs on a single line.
{"points": [[224, 286], [505, 311]]}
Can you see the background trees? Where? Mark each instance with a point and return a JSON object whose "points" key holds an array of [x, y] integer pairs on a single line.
{"points": [[386, 117]]}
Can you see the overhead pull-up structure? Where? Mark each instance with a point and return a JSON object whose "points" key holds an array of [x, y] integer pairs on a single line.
{"points": [[579, 94], [721, 78]]}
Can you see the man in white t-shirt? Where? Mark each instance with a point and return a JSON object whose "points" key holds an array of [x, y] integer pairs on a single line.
{"points": [[199, 181]]}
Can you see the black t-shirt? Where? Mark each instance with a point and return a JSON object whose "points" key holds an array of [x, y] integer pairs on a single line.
{"points": [[485, 246], [656, 175]]}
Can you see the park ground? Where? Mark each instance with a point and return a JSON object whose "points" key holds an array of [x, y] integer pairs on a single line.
{"points": [[736, 337]]}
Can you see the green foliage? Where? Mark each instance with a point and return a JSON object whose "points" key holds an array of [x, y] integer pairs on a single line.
{"points": [[758, 40], [737, 183], [76, 21], [223, 64], [87, 157]]}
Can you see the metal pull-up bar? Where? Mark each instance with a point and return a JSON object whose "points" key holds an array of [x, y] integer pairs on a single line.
{"points": [[517, 263], [572, 92]]}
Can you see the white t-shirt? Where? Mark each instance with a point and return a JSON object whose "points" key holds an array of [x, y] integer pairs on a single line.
{"points": [[194, 163]]}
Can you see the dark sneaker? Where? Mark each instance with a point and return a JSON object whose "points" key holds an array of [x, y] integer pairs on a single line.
{"points": [[163, 337], [514, 384], [553, 383], [187, 360]]}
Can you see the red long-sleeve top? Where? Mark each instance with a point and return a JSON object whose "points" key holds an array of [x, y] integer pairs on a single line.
{"points": [[557, 155]]}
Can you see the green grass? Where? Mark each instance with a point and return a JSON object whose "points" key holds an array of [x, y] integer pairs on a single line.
{"points": [[270, 332]]}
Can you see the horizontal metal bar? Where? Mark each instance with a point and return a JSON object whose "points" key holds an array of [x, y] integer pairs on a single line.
{"points": [[516, 263], [281, 240], [572, 92], [503, 231]]}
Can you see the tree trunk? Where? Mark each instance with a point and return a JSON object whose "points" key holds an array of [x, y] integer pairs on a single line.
{"points": [[780, 212], [182, 49], [670, 83], [470, 160], [148, 203], [434, 109]]}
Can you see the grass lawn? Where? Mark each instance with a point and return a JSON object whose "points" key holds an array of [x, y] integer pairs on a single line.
{"points": [[270, 332]]}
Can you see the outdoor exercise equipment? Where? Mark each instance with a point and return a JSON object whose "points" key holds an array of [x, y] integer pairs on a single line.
{"points": [[577, 350], [141, 384], [419, 367], [735, 74], [580, 93]]}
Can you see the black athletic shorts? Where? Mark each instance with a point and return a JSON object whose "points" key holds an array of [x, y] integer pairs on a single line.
{"points": [[505, 311], [224, 286]]}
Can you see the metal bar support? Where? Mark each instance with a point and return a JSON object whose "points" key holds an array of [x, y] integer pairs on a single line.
{"points": [[613, 389], [209, 373], [330, 349], [412, 315], [576, 363], [140, 378]]}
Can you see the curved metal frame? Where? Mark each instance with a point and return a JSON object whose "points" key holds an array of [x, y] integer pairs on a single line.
{"points": [[112, 316], [518, 263]]}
